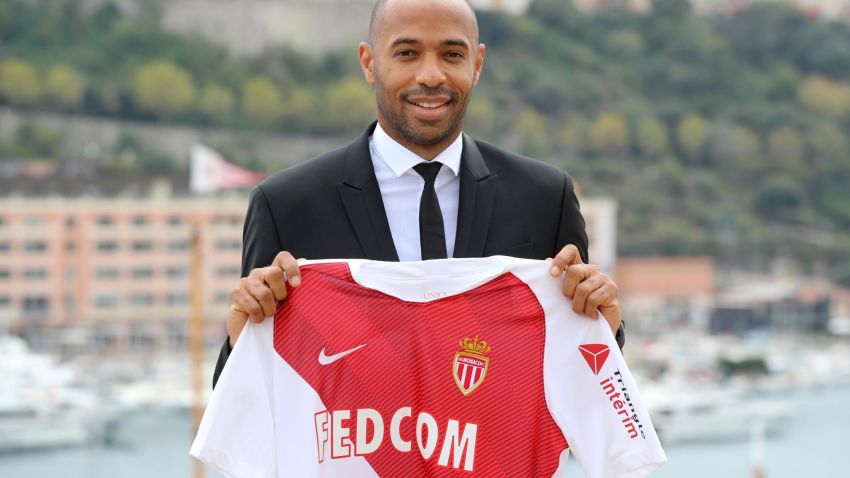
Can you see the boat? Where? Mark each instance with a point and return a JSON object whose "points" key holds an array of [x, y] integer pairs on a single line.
{"points": [[42, 407], [717, 414]]}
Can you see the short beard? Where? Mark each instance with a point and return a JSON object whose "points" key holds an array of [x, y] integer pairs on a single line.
{"points": [[398, 123]]}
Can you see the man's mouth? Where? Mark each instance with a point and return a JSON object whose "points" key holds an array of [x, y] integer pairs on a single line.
{"points": [[430, 104]]}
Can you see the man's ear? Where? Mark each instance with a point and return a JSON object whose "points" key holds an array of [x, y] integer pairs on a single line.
{"points": [[479, 63], [367, 62]]}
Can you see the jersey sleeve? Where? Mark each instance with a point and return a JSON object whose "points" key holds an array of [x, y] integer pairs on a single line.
{"points": [[589, 389], [236, 436], [596, 401]]}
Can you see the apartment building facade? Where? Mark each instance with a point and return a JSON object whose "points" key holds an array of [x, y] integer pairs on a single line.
{"points": [[100, 274], [115, 272]]}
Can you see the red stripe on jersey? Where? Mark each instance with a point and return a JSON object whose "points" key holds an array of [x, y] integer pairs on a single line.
{"points": [[407, 362]]}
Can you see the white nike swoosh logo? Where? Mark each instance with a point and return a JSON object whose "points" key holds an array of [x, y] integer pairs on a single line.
{"points": [[329, 359]]}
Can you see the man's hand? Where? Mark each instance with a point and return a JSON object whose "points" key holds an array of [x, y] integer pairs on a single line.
{"points": [[255, 297], [589, 288]]}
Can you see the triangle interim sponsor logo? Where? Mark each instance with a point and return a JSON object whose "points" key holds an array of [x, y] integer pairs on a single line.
{"points": [[595, 355]]}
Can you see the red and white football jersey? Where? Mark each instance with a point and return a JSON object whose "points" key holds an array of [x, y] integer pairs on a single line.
{"points": [[456, 367]]}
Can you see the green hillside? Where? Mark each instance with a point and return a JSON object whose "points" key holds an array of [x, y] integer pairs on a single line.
{"points": [[725, 136]]}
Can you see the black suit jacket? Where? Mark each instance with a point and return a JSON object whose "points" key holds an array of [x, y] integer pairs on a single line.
{"points": [[330, 207]]}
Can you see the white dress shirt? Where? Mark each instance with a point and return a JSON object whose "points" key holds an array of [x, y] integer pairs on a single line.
{"points": [[401, 189]]}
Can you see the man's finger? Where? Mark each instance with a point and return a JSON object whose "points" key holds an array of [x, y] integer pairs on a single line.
{"points": [[289, 264], [599, 297], [273, 278], [567, 256], [583, 291], [264, 296], [575, 275], [241, 299]]}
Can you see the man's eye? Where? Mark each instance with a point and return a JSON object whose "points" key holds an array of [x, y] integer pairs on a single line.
{"points": [[405, 53], [454, 54]]}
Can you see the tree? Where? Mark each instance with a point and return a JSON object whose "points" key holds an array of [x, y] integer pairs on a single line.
{"points": [[262, 103], [624, 43], [480, 118], [651, 137], [532, 129], [64, 86], [303, 109], [779, 197], [349, 103], [19, 82], [829, 147], [574, 135], [786, 145], [609, 134], [692, 134], [216, 103], [164, 89], [825, 96], [733, 145]]}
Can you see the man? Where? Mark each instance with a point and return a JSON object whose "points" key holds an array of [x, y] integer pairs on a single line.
{"points": [[412, 186]]}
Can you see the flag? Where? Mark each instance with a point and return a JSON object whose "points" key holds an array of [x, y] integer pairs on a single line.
{"points": [[210, 172]]}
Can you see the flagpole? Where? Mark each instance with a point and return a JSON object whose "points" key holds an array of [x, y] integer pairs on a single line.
{"points": [[196, 335]]}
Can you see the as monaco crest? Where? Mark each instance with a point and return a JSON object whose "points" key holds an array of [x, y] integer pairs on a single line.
{"points": [[469, 366]]}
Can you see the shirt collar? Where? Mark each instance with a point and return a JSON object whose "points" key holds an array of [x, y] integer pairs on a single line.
{"points": [[401, 159]]}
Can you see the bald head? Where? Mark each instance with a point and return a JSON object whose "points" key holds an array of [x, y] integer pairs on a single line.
{"points": [[380, 6]]}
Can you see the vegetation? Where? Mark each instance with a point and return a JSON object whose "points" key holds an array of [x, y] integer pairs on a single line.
{"points": [[724, 135]]}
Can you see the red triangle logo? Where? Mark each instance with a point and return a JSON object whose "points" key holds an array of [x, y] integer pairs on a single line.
{"points": [[595, 355]]}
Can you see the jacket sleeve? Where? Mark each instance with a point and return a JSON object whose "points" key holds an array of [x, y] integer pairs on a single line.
{"points": [[571, 231], [260, 245]]}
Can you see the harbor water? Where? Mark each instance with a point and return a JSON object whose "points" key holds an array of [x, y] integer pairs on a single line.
{"points": [[155, 444]]}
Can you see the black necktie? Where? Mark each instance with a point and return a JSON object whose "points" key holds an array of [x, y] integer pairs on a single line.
{"points": [[432, 236]]}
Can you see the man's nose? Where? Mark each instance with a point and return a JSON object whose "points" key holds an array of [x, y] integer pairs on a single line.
{"points": [[430, 72]]}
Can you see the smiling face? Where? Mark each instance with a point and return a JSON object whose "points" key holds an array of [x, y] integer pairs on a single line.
{"points": [[424, 61]]}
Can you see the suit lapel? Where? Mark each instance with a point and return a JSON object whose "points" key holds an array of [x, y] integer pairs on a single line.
{"points": [[361, 198], [477, 188]]}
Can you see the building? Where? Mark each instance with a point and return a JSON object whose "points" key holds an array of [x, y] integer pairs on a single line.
{"points": [[316, 26], [115, 272], [95, 274], [664, 292]]}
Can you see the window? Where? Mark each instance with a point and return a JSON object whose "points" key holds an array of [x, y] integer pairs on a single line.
{"points": [[175, 221], [5, 273], [104, 335], [222, 219], [228, 244], [142, 246], [141, 336], [228, 271], [36, 304], [177, 333], [106, 272], [177, 271], [5, 246], [35, 273], [106, 299], [107, 246], [178, 245], [33, 221], [70, 222], [222, 297], [35, 246], [70, 303], [105, 221], [177, 298], [5, 301], [142, 272], [2, 221], [142, 299], [70, 246], [140, 221], [70, 273]]}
